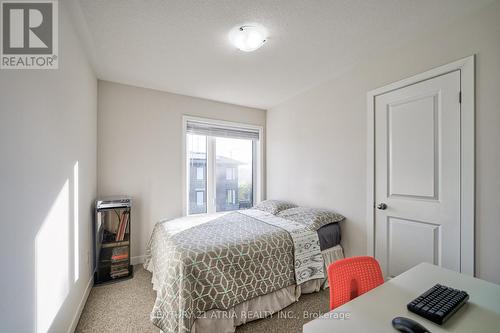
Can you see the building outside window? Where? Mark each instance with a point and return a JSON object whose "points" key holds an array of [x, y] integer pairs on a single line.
{"points": [[197, 161]]}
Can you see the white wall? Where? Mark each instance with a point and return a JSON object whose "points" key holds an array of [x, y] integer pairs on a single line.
{"points": [[47, 125], [140, 149], [319, 136]]}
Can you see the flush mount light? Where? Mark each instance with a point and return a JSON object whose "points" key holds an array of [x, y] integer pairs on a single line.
{"points": [[248, 38]]}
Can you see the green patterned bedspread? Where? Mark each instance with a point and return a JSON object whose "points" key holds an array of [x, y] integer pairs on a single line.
{"points": [[224, 262]]}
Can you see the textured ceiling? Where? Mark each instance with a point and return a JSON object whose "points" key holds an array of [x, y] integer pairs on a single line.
{"points": [[182, 46]]}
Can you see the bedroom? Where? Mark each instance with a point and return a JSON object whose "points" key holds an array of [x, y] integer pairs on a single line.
{"points": [[112, 119]]}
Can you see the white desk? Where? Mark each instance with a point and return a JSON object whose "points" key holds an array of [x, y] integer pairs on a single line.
{"points": [[374, 311]]}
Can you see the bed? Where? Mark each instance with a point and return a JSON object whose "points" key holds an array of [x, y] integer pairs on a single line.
{"points": [[214, 272]]}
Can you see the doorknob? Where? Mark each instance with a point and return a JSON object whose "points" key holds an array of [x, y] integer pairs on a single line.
{"points": [[382, 206]]}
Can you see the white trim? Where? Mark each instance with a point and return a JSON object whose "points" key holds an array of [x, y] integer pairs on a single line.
{"points": [[467, 175], [259, 158], [210, 177], [185, 180], [78, 313], [137, 260]]}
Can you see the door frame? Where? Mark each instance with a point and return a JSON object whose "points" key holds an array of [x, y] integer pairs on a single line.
{"points": [[466, 66]]}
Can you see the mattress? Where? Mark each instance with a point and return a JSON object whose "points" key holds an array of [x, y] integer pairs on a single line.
{"points": [[329, 236]]}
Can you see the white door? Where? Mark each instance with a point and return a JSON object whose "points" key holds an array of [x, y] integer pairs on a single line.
{"points": [[417, 175]]}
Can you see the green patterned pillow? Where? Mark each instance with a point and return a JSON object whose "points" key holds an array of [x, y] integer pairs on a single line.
{"points": [[274, 206], [314, 218]]}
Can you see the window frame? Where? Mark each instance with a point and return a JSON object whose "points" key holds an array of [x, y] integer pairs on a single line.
{"points": [[257, 160]]}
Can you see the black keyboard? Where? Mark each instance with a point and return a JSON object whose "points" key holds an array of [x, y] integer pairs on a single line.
{"points": [[439, 303]]}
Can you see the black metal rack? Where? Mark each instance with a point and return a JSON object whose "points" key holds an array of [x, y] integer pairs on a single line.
{"points": [[112, 240]]}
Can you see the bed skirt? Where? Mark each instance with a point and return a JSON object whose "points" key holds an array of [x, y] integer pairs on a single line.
{"points": [[226, 321]]}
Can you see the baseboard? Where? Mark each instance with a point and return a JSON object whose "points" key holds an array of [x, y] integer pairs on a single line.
{"points": [[78, 313], [133, 260], [137, 260]]}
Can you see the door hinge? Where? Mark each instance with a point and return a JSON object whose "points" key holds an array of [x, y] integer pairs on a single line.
{"points": [[459, 97]]}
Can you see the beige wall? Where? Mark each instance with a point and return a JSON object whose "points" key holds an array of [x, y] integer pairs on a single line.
{"points": [[319, 137], [139, 149], [47, 125]]}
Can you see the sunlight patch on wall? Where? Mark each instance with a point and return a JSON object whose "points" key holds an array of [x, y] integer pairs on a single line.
{"points": [[52, 255], [76, 226]]}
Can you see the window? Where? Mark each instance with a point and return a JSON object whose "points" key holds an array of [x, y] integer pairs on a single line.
{"points": [[231, 197], [200, 173], [222, 163], [230, 173], [200, 198]]}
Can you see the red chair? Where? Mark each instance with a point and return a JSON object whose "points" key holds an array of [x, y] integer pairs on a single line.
{"points": [[348, 278]]}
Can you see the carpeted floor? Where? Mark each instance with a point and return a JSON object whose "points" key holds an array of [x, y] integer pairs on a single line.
{"points": [[125, 307]]}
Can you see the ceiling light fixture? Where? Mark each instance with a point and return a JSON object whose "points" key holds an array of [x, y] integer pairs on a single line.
{"points": [[248, 38]]}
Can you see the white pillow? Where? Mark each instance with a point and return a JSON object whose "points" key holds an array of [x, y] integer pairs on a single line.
{"points": [[274, 206], [313, 218]]}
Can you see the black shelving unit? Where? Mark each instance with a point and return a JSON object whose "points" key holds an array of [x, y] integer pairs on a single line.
{"points": [[112, 240]]}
